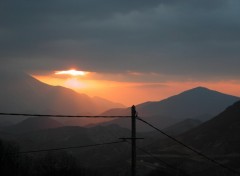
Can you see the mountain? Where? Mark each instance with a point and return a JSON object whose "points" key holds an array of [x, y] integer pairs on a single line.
{"points": [[218, 135], [34, 124], [65, 135], [182, 126], [21, 93], [108, 158], [53, 138], [4, 122], [174, 130], [160, 121], [189, 104], [198, 103], [217, 138], [105, 104]]}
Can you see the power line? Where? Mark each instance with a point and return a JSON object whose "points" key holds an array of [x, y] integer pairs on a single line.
{"points": [[73, 147], [50, 115], [190, 148]]}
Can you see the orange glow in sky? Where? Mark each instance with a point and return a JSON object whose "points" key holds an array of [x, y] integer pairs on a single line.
{"points": [[130, 92]]}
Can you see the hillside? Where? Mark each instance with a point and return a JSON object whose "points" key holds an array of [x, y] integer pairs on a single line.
{"points": [[182, 126], [219, 135], [217, 138], [104, 157], [34, 124]]}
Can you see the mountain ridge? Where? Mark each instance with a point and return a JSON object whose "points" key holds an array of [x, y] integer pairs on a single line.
{"points": [[198, 103]]}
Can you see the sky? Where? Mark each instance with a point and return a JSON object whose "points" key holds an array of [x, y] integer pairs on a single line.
{"points": [[134, 51]]}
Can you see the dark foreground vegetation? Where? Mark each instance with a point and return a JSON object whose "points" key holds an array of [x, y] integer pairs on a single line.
{"points": [[54, 163]]}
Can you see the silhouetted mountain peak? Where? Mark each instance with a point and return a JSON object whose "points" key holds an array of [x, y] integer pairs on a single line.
{"points": [[199, 99], [200, 91]]}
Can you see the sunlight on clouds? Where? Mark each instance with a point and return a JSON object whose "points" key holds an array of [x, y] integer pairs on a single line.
{"points": [[118, 87]]}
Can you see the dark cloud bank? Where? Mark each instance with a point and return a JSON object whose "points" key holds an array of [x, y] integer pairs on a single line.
{"points": [[188, 37]]}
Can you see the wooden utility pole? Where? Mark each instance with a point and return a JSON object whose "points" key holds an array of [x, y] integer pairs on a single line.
{"points": [[134, 115]]}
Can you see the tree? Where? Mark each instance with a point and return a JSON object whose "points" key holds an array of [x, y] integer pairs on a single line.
{"points": [[9, 158]]}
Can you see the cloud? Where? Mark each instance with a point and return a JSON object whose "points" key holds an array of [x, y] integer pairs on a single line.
{"points": [[152, 86], [188, 38]]}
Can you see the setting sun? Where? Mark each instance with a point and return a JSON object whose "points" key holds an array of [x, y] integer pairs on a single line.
{"points": [[71, 72]]}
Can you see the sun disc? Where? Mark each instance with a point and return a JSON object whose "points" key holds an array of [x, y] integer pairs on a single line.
{"points": [[71, 72]]}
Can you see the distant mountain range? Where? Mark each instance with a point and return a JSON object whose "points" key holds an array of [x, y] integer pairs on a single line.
{"points": [[198, 103], [21, 93]]}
